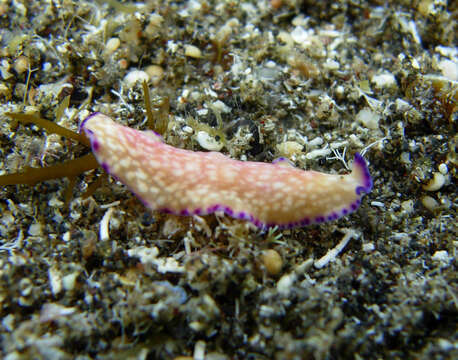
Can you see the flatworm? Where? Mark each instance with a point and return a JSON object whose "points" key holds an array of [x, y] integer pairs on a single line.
{"points": [[187, 182]]}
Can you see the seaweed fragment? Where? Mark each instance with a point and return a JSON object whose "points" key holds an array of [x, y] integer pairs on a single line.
{"points": [[161, 113], [49, 126], [69, 169]]}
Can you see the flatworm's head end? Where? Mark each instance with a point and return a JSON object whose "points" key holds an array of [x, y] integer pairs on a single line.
{"points": [[93, 127], [361, 173], [83, 123]]}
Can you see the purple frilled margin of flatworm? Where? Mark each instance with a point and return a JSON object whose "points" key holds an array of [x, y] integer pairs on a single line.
{"points": [[185, 182]]}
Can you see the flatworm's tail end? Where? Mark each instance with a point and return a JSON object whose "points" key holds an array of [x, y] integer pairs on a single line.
{"points": [[361, 172]]}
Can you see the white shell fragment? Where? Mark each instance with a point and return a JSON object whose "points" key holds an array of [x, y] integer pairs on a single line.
{"points": [[435, 183], [368, 118], [384, 81], [208, 142]]}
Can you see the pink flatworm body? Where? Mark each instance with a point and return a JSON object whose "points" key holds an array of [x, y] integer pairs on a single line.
{"points": [[187, 182]]}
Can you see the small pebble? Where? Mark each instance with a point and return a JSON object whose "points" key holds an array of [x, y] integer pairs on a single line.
{"points": [[69, 281], [443, 169], [272, 261], [289, 148], [135, 76], [156, 74], [192, 51], [35, 229], [21, 64], [441, 255], [112, 45], [430, 203]]}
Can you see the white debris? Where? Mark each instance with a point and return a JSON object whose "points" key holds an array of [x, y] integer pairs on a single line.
{"points": [[408, 206], [301, 36], [332, 253], [441, 256], [35, 229], [338, 144], [55, 280], [188, 130], [450, 52], [168, 265], [104, 231], [368, 118], [410, 27], [449, 69], [402, 105], [69, 281], [52, 311], [377, 204], [318, 153], [368, 247], [289, 148], [172, 47], [221, 107], [316, 141], [331, 64], [112, 45], [148, 256], [135, 76], [285, 283], [202, 112], [210, 92], [199, 350], [405, 158]]}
